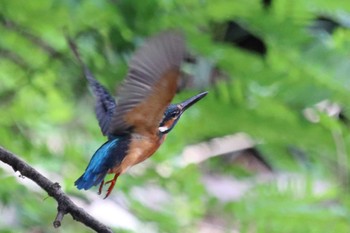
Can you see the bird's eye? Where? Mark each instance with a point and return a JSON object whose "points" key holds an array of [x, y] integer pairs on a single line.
{"points": [[174, 114]]}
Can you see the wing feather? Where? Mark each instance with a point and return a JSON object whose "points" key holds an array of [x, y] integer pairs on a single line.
{"points": [[150, 85], [104, 104]]}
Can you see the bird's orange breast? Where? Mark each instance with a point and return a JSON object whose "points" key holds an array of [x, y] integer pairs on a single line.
{"points": [[141, 148]]}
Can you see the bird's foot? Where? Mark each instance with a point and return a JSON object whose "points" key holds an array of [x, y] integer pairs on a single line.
{"points": [[112, 182], [100, 188]]}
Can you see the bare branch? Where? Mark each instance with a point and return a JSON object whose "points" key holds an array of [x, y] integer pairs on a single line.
{"points": [[14, 57], [65, 204], [12, 25]]}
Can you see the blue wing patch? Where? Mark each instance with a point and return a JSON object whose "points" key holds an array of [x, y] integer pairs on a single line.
{"points": [[109, 155]]}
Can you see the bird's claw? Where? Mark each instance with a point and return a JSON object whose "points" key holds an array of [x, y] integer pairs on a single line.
{"points": [[100, 188], [110, 188]]}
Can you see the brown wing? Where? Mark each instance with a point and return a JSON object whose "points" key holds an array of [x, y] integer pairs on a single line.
{"points": [[150, 85]]}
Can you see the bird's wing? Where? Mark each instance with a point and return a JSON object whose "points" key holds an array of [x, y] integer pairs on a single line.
{"points": [[150, 85], [105, 104]]}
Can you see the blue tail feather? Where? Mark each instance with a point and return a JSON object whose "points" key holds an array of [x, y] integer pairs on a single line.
{"points": [[109, 155], [87, 180]]}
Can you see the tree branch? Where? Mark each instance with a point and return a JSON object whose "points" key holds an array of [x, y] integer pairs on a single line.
{"points": [[65, 204], [12, 25], [14, 57]]}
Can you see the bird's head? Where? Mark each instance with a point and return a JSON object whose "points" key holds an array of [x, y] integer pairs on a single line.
{"points": [[174, 112]]}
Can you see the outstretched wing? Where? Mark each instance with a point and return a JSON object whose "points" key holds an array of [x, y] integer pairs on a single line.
{"points": [[105, 104], [150, 85]]}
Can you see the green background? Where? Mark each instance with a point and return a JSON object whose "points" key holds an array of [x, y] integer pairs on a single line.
{"points": [[46, 115]]}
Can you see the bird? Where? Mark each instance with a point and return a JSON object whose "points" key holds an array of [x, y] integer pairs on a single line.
{"points": [[137, 122]]}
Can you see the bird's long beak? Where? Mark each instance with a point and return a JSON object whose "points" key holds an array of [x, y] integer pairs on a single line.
{"points": [[191, 101]]}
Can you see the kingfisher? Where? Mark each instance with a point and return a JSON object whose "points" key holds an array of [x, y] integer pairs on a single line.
{"points": [[138, 121]]}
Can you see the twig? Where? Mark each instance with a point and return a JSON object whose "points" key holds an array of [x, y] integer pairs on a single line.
{"points": [[12, 25], [59, 217], [14, 57], [342, 158], [65, 204]]}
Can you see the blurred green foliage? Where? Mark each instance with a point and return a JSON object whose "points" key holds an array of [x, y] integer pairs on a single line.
{"points": [[47, 111]]}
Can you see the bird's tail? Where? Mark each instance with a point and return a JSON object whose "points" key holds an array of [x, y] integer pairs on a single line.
{"points": [[88, 179], [109, 155]]}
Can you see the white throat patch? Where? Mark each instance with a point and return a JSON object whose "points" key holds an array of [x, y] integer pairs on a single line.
{"points": [[162, 129]]}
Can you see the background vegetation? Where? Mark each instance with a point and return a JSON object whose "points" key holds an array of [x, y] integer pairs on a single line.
{"points": [[276, 60]]}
